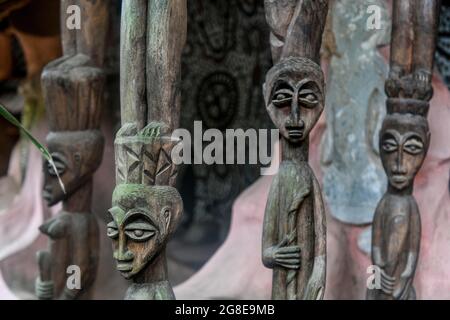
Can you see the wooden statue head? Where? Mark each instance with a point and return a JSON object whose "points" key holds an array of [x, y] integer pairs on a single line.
{"points": [[77, 155], [146, 208], [73, 91], [143, 218], [404, 141], [294, 95]]}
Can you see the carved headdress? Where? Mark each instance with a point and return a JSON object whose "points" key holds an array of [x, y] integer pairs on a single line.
{"points": [[144, 156], [75, 101], [294, 41]]}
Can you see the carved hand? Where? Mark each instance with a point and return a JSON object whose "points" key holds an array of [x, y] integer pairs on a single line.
{"points": [[316, 284], [422, 81], [387, 283], [402, 287], [282, 255]]}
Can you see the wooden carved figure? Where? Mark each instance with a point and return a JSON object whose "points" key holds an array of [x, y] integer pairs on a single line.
{"points": [[404, 141], [73, 88], [146, 207], [294, 232]]}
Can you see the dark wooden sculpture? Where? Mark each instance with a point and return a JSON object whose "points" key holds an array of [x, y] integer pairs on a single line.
{"points": [[73, 89], [146, 207], [404, 141], [294, 234]]}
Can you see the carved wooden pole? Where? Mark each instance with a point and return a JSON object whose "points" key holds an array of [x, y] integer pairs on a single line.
{"points": [[404, 141], [73, 89], [294, 233], [146, 207]]}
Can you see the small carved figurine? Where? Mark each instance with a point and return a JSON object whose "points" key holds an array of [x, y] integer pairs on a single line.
{"points": [[404, 141], [294, 232]]}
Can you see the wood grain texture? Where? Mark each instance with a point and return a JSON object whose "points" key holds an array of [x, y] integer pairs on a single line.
{"points": [[133, 97], [146, 207], [166, 37], [294, 230], [404, 141], [73, 88]]}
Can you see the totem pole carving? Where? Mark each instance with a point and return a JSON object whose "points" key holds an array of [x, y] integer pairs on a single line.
{"points": [[404, 141], [146, 206], [73, 89], [294, 232]]}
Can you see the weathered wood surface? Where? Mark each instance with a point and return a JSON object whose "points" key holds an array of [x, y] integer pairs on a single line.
{"points": [[294, 231], [146, 208], [74, 96], [404, 142]]}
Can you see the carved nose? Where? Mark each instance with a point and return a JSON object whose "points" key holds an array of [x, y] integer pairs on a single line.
{"points": [[295, 112], [399, 166], [123, 255]]}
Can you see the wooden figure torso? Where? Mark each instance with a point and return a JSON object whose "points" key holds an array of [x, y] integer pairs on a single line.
{"points": [[292, 189], [394, 219], [70, 233]]}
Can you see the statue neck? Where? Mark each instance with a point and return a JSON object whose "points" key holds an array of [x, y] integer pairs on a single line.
{"points": [[294, 152], [408, 191], [80, 200], [156, 270]]}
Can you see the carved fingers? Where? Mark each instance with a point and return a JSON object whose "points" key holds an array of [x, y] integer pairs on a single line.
{"points": [[402, 289], [44, 287], [387, 283], [287, 256]]}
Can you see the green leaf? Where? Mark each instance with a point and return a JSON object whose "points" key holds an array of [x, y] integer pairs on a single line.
{"points": [[8, 116]]}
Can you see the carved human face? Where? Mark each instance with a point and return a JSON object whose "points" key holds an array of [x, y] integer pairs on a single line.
{"points": [[143, 217], [404, 142], [294, 97], [76, 156]]}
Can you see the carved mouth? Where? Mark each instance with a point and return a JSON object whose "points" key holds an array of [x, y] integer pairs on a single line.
{"points": [[124, 267], [47, 194], [398, 178], [295, 133]]}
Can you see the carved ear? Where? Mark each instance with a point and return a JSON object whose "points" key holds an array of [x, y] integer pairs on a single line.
{"points": [[264, 93], [77, 158], [428, 140], [166, 216]]}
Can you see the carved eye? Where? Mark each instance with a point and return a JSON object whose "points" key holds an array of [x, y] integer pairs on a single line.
{"points": [[112, 230], [413, 146], [282, 98], [308, 98], [59, 163], [389, 145], [140, 231]]}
